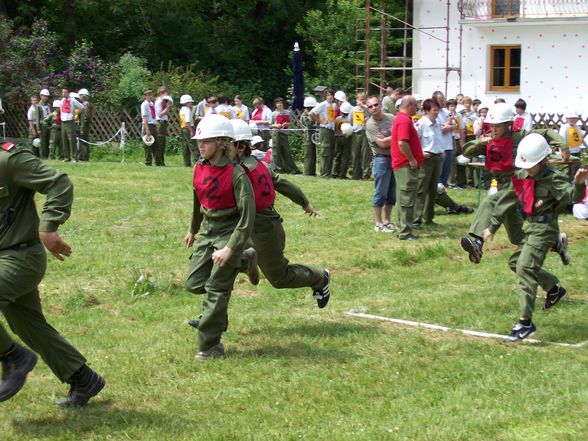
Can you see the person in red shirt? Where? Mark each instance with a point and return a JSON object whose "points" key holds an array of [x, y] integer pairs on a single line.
{"points": [[407, 158]]}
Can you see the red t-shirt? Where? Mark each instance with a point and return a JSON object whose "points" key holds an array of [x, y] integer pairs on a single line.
{"points": [[403, 130]]}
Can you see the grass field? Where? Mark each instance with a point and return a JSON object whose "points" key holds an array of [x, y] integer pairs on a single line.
{"points": [[293, 371]]}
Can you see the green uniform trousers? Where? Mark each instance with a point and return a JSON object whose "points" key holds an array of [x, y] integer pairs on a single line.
{"points": [[216, 282], [309, 157], [55, 149], [68, 141], [407, 180], [513, 220], [341, 156], [45, 139], [281, 153], [150, 149], [424, 210], [20, 273], [326, 144], [276, 268], [161, 144], [527, 262], [84, 148], [445, 201], [190, 150], [361, 155]]}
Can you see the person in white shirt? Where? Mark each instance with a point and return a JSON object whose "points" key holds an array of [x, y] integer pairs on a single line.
{"points": [[190, 150], [240, 109], [522, 120], [574, 137], [580, 210], [163, 105], [360, 151], [68, 129], [324, 114], [224, 108], [262, 117], [149, 125], [201, 109], [445, 123], [34, 131], [429, 131]]}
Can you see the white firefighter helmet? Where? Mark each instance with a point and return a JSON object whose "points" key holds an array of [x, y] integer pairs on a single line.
{"points": [[499, 113], [148, 140], [572, 114], [168, 98], [346, 129], [463, 160], [44, 92], [214, 126], [346, 108], [532, 149], [37, 142], [256, 140], [310, 101], [241, 130], [57, 103], [83, 92], [340, 95], [185, 99], [460, 108], [74, 95]]}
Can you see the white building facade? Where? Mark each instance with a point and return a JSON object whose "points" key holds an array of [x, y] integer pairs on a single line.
{"points": [[530, 49]]}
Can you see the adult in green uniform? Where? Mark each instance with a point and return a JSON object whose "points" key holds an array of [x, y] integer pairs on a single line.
{"points": [[53, 120], [68, 128], [223, 215], [268, 237], [541, 192], [500, 148], [42, 110], [22, 266], [85, 124]]}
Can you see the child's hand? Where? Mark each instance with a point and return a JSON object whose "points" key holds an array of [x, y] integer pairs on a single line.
{"points": [[309, 209], [581, 175], [220, 257], [488, 235], [189, 240]]}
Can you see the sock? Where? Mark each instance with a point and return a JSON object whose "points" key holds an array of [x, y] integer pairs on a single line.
{"points": [[553, 290], [525, 322]]}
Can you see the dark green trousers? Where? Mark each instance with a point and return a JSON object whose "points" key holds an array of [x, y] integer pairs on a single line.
{"points": [[424, 211], [341, 156], [513, 220], [309, 157], [55, 146], [359, 148], [68, 140], [20, 273], [276, 268], [407, 180], [281, 153], [326, 146], [161, 144], [45, 139], [216, 282], [190, 150]]}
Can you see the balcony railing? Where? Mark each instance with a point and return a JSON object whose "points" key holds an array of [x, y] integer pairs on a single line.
{"points": [[533, 9]]}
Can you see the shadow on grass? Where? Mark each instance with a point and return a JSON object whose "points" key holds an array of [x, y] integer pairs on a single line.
{"points": [[98, 417]]}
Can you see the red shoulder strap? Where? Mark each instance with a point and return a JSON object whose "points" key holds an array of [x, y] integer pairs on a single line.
{"points": [[7, 146]]}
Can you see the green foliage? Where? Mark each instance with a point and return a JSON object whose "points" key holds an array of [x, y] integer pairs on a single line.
{"points": [[181, 80], [125, 87]]}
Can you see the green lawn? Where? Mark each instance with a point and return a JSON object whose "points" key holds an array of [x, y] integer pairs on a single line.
{"points": [[293, 371]]}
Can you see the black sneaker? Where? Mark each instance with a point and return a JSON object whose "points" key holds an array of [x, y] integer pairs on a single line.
{"points": [[451, 211], [323, 295], [520, 332], [465, 209], [16, 365], [195, 323], [252, 272], [85, 384], [561, 248], [473, 247], [408, 237], [553, 297]]}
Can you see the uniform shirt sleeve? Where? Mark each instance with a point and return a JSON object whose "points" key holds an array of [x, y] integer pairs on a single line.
{"points": [[246, 205], [289, 189], [474, 148], [196, 215], [27, 171]]}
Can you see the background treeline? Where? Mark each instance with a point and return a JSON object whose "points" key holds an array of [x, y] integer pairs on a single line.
{"points": [[118, 48]]}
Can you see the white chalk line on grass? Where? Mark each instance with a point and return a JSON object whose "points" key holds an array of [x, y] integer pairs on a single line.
{"points": [[462, 331]]}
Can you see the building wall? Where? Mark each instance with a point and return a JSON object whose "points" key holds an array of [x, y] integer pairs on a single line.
{"points": [[553, 56]]}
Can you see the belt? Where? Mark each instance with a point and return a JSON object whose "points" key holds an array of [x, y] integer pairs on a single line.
{"points": [[543, 218], [377, 155], [22, 245]]}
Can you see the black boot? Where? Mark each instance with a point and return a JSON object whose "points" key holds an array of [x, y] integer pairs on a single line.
{"points": [[85, 384], [16, 364]]}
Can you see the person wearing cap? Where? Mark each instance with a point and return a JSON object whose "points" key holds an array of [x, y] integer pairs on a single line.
{"points": [[148, 115], [342, 152], [499, 150], [223, 217], [268, 237], [258, 148], [42, 110], [429, 132], [240, 109], [324, 114], [68, 130], [282, 155], [85, 124], [163, 105], [407, 159], [574, 136], [34, 130], [23, 239], [190, 150], [522, 120], [540, 192], [310, 126], [53, 121], [361, 154], [378, 135]]}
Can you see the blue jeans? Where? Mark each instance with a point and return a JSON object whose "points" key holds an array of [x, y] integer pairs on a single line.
{"points": [[384, 182], [446, 167]]}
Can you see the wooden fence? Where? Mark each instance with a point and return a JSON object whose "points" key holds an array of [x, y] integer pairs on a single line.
{"points": [[108, 121]]}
